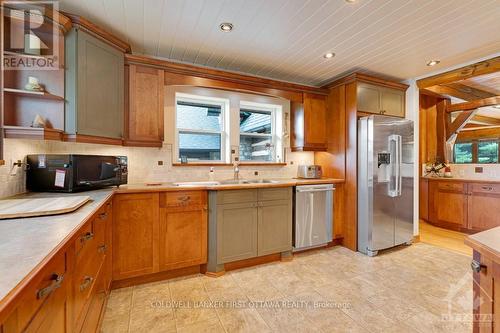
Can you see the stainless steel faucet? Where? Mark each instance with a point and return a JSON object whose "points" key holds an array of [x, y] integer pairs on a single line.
{"points": [[236, 170]]}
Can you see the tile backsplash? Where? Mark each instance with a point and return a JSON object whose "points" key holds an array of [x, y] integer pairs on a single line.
{"points": [[143, 163], [489, 171]]}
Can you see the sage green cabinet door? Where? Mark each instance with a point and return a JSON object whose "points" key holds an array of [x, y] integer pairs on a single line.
{"points": [[236, 232], [94, 86], [368, 99], [275, 227], [392, 102]]}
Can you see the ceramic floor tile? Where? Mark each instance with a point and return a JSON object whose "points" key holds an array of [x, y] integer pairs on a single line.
{"points": [[420, 288]]}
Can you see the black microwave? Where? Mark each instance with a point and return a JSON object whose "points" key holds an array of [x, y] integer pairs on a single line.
{"points": [[74, 173]]}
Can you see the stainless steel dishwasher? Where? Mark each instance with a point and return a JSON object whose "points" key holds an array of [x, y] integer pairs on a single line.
{"points": [[313, 213]]}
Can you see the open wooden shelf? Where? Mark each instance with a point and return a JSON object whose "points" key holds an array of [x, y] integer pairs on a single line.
{"points": [[20, 132], [25, 55], [36, 94]]}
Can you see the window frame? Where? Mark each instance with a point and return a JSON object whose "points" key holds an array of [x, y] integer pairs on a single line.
{"points": [[475, 150], [224, 131], [276, 112]]}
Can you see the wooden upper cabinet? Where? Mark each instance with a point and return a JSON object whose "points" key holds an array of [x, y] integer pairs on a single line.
{"points": [[144, 118], [94, 86], [308, 123], [135, 234], [372, 98]]}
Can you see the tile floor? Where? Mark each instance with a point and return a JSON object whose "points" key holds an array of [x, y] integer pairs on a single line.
{"points": [[411, 289]]}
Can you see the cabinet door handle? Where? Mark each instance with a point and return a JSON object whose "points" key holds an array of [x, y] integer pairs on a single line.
{"points": [[476, 266], [102, 249], [57, 280], [87, 281], [487, 188], [86, 237]]}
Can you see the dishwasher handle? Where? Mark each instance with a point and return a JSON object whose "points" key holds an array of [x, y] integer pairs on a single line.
{"points": [[316, 190]]}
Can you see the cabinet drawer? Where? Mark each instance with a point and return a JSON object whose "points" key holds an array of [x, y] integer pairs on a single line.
{"points": [[183, 198], [236, 196], [453, 187], [96, 305], [51, 280], [282, 193], [484, 188]]}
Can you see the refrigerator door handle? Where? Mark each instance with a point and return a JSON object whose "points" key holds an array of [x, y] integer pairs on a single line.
{"points": [[395, 147]]}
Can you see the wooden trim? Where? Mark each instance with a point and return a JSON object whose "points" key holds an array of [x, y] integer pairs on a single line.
{"points": [[359, 77], [19, 132], [2, 162], [480, 68], [209, 73], [138, 143], [261, 164], [231, 266], [416, 239], [490, 101], [200, 164], [116, 284], [91, 139], [81, 22]]}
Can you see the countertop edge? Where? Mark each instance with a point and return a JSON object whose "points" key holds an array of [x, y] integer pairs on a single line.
{"points": [[475, 242], [463, 180], [11, 295]]}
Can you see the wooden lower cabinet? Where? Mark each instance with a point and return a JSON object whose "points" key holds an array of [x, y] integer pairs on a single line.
{"points": [[459, 205], [183, 235], [155, 232], [135, 234], [69, 292]]}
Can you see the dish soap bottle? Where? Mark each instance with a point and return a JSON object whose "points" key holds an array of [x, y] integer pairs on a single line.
{"points": [[211, 174]]}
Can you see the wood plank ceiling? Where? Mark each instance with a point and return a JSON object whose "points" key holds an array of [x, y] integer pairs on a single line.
{"points": [[286, 39]]}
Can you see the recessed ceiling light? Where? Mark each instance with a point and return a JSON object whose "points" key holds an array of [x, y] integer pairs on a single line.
{"points": [[350, 1], [226, 27], [433, 62], [329, 55], [497, 106]]}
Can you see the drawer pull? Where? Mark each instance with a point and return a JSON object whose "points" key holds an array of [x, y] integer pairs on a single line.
{"points": [[56, 283], [476, 266], [487, 188], [86, 237], [103, 216], [184, 198], [102, 249], [87, 281]]}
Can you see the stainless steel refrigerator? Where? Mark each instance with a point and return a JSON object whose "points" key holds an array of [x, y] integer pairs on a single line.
{"points": [[385, 183]]}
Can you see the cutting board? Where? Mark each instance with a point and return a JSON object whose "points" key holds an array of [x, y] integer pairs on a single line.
{"points": [[15, 208]]}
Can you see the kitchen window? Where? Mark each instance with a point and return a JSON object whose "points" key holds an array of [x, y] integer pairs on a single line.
{"points": [[200, 129], [259, 125], [482, 152]]}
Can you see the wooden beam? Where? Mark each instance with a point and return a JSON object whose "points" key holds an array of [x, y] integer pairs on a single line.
{"points": [[442, 125], [459, 91], [487, 120], [484, 133], [459, 123], [491, 101], [480, 68]]}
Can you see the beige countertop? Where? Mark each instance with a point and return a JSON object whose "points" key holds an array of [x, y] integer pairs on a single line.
{"points": [[465, 180], [283, 182], [486, 241], [26, 242]]}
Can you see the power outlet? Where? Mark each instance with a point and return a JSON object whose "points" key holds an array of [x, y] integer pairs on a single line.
{"points": [[478, 169]]}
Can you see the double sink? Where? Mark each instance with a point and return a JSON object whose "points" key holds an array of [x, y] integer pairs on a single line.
{"points": [[227, 182]]}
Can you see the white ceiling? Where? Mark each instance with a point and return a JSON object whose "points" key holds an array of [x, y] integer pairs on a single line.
{"points": [[285, 39]]}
